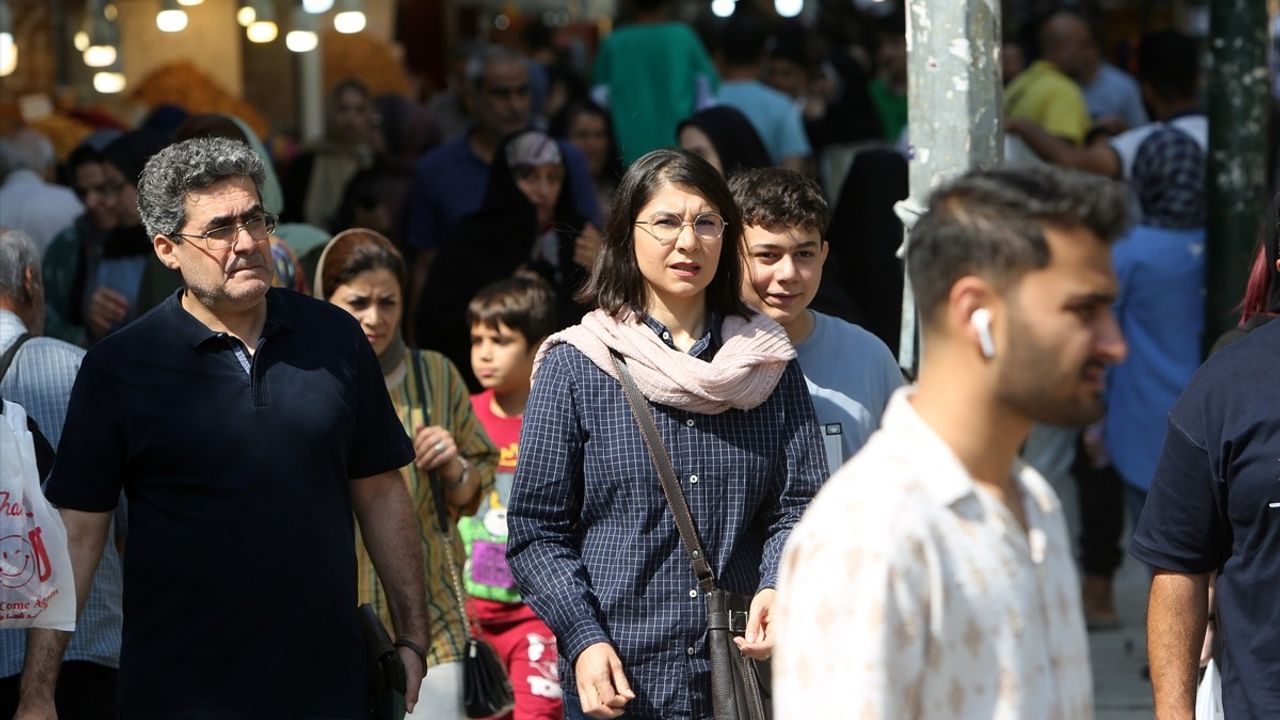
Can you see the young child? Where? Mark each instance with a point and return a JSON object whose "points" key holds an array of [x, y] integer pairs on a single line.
{"points": [[509, 319], [849, 371]]}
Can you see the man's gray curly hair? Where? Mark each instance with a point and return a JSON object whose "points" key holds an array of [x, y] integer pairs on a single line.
{"points": [[190, 165]]}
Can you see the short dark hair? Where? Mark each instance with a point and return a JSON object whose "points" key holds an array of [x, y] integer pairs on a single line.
{"points": [[991, 223], [616, 285], [351, 83], [524, 302], [81, 156], [746, 37], [775, 198], [1169, 62]]}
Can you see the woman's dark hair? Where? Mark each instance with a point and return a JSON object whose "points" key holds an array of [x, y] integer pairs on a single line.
{"points": [[735, 140], [354, 251], [563, 120], [616, 285]]}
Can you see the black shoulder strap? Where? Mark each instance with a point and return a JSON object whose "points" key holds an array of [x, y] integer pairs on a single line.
{"points": [[666, 472], [7, 359]]}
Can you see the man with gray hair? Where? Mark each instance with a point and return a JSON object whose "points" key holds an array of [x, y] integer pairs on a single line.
{"points": [[28, 200], [247, 425], [37, 373]]}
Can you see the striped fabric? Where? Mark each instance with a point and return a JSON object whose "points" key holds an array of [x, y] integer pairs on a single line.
{"points": [[40, 380], [449, 405], [592, 542]]}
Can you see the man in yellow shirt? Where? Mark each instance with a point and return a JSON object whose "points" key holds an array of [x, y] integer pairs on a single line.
{"points": [[1044, 93]]}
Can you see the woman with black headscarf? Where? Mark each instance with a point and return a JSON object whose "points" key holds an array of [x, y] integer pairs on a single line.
{"points": [[527, 221], [725, 138]]}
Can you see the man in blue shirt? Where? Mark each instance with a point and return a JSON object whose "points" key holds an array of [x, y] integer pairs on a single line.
{"points": [[247, 425], [451, 180], [850, 373], [37, 373], [775, 117]]}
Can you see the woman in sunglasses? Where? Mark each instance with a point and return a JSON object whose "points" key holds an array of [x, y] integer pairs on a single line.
{"points": [[593, 544]]}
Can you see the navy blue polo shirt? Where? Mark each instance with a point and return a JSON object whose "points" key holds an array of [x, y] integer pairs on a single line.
{"points": [[1215, 505], [239, 570]]}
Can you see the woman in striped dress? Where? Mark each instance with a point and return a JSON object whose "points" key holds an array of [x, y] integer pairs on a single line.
{"points": [[361, 272]]}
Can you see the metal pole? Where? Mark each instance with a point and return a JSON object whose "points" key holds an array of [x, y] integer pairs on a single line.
{"points": [[954, 97], [1238, 104]]}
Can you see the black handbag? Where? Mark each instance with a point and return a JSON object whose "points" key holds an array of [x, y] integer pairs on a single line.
{"points": [[386, 671], [739, 684], [486, 689]]}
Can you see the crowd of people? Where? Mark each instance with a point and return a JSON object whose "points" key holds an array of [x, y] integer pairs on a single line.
{"points": [[395, 369]]}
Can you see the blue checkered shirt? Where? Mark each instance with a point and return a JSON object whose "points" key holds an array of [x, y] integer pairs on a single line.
{"points": [[593, 545], [40, 380]]}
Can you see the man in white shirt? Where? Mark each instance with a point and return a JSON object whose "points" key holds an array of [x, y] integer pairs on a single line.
{"points": [[933, 577], [28, 201]]}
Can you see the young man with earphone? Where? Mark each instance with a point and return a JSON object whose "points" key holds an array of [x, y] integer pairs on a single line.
{"points": [[933, 576]]}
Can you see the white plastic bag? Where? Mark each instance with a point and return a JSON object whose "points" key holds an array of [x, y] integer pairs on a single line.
{"points": [[1209, 694], [37, 588]]}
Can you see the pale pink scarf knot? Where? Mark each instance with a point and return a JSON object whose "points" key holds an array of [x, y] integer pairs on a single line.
{"points": [[743, 374]]}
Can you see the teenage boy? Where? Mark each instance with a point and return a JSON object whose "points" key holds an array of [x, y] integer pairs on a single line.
{"points": [[849, 371], [509, 319]]}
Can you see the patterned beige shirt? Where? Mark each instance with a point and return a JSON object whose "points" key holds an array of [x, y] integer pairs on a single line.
{"points": [[908, 591]]}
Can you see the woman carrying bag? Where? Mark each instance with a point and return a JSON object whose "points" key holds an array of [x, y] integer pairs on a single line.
{"points": [[593, 543], [361, 272]]}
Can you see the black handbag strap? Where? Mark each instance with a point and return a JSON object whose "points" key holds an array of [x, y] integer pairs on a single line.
{"points": [[437, 495], [7, 359], [666, 472]]}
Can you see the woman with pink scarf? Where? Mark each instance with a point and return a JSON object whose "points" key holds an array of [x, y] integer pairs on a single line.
{"points": [[592, 542]]}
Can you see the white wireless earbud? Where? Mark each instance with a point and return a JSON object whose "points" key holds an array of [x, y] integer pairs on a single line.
{"points": [[981, 321]]}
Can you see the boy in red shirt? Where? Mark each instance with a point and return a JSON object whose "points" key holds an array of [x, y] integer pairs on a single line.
{"points": [[509, 319]]}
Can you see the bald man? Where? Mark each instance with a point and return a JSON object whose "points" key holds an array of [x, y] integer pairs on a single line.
{"points": [[1044, 94]]}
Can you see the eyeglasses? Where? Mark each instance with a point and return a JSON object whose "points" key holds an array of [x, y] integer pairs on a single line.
{"points": [[666, 227], [258, 226]]}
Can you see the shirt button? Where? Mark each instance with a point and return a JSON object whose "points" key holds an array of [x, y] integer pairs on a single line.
{"points": [[693, 593], [693, 479], [689, 422], [689, 651]]}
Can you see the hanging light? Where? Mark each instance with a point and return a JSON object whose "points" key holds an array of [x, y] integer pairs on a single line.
{"points": [[350, 17], [81, 40], [317, 7], [246, 14], [8, 47], [110, 79], [302, 36], [99, 56], [103, 35], [190, 3], [171, 18], [263, 29], [722, 8], [788, 8]]}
